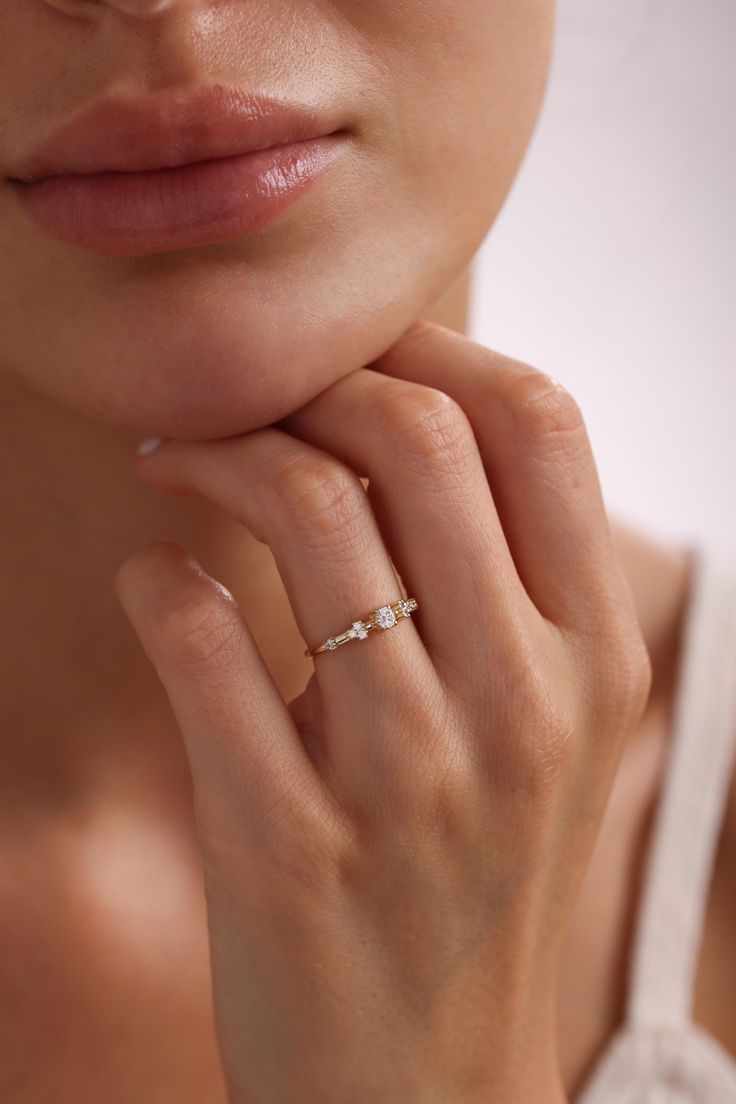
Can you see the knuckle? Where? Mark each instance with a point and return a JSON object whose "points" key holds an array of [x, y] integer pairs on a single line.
{"points": [[426, 425], [448, 798], [627, 678], [200, 628], [299, 843], [304, 856], [618, 670], [541, 741], [321, 501], [383, 853], [544, 409], [433, 755]]}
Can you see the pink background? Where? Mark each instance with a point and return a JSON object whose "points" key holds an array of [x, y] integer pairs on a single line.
{"points": [[612, 265]]}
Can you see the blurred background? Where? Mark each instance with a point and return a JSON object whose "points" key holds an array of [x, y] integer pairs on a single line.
{"points": [[612, 265]]}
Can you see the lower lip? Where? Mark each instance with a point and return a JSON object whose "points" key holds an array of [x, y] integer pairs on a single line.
{"points": [[125, 214]]}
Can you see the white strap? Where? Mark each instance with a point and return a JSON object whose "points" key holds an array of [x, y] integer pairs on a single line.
{"points": [[691, 802]]}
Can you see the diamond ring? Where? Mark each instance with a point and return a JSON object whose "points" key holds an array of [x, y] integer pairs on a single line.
{"points": [[385, 617]]}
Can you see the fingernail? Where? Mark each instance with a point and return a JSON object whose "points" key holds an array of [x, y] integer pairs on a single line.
{"points": [[148, 445]]}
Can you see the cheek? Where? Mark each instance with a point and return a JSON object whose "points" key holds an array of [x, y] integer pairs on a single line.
{"points": [[477, 73]]}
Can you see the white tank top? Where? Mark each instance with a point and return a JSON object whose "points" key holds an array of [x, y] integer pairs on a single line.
{"points": [[659, 1055]]}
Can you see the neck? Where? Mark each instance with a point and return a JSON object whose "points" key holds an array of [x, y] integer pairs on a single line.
{"points": [[82, 710]]}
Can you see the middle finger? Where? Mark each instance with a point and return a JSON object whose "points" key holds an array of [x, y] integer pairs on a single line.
{"points": [[434, 504]]}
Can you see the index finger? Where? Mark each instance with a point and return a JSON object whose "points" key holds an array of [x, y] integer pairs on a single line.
{"points": [[245, 754]]}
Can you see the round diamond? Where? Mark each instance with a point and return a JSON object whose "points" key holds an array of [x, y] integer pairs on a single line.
{"points": [[331, 644], [358, 631], [385, 617]]}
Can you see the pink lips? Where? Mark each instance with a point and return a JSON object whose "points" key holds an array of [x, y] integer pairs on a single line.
{"points": [[127, 178]]}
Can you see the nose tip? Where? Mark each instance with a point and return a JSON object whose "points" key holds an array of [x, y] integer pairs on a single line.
{"points": [[140, 8]]}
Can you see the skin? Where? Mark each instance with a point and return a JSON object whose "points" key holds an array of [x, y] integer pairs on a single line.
{"points": [[97, 812]]}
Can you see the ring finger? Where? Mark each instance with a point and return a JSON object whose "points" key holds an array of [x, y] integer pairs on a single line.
{"points": [[314, 513]]}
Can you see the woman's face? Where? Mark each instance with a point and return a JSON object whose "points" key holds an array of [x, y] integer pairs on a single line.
{"points": [[438, 99]]}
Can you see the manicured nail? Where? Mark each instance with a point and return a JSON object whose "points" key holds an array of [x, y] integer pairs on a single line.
{"points": [[148, 445]]}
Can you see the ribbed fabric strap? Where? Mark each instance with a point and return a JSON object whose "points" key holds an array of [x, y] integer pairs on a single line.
{"points": [[691, 802]]}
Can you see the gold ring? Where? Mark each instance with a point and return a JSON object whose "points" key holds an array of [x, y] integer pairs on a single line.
{"points": [[385, 617]]}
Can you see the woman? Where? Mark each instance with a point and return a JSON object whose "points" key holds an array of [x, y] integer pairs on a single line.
{"points": [[403, 867]]}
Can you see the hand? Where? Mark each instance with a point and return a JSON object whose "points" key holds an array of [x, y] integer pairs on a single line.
{"points": [[391, 860]]}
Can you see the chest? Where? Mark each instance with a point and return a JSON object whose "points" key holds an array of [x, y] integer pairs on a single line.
{"points": [[104, 981]]}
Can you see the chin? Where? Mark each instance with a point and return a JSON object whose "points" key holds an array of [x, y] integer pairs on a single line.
{"points": [[219, 372], [205, 354], [233, 381], [214, 342]]}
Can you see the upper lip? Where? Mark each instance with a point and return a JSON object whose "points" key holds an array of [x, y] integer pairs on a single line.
{"points": [[126, 135]]}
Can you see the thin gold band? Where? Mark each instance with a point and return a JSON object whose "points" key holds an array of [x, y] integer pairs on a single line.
{"points": [[385, 617]]}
